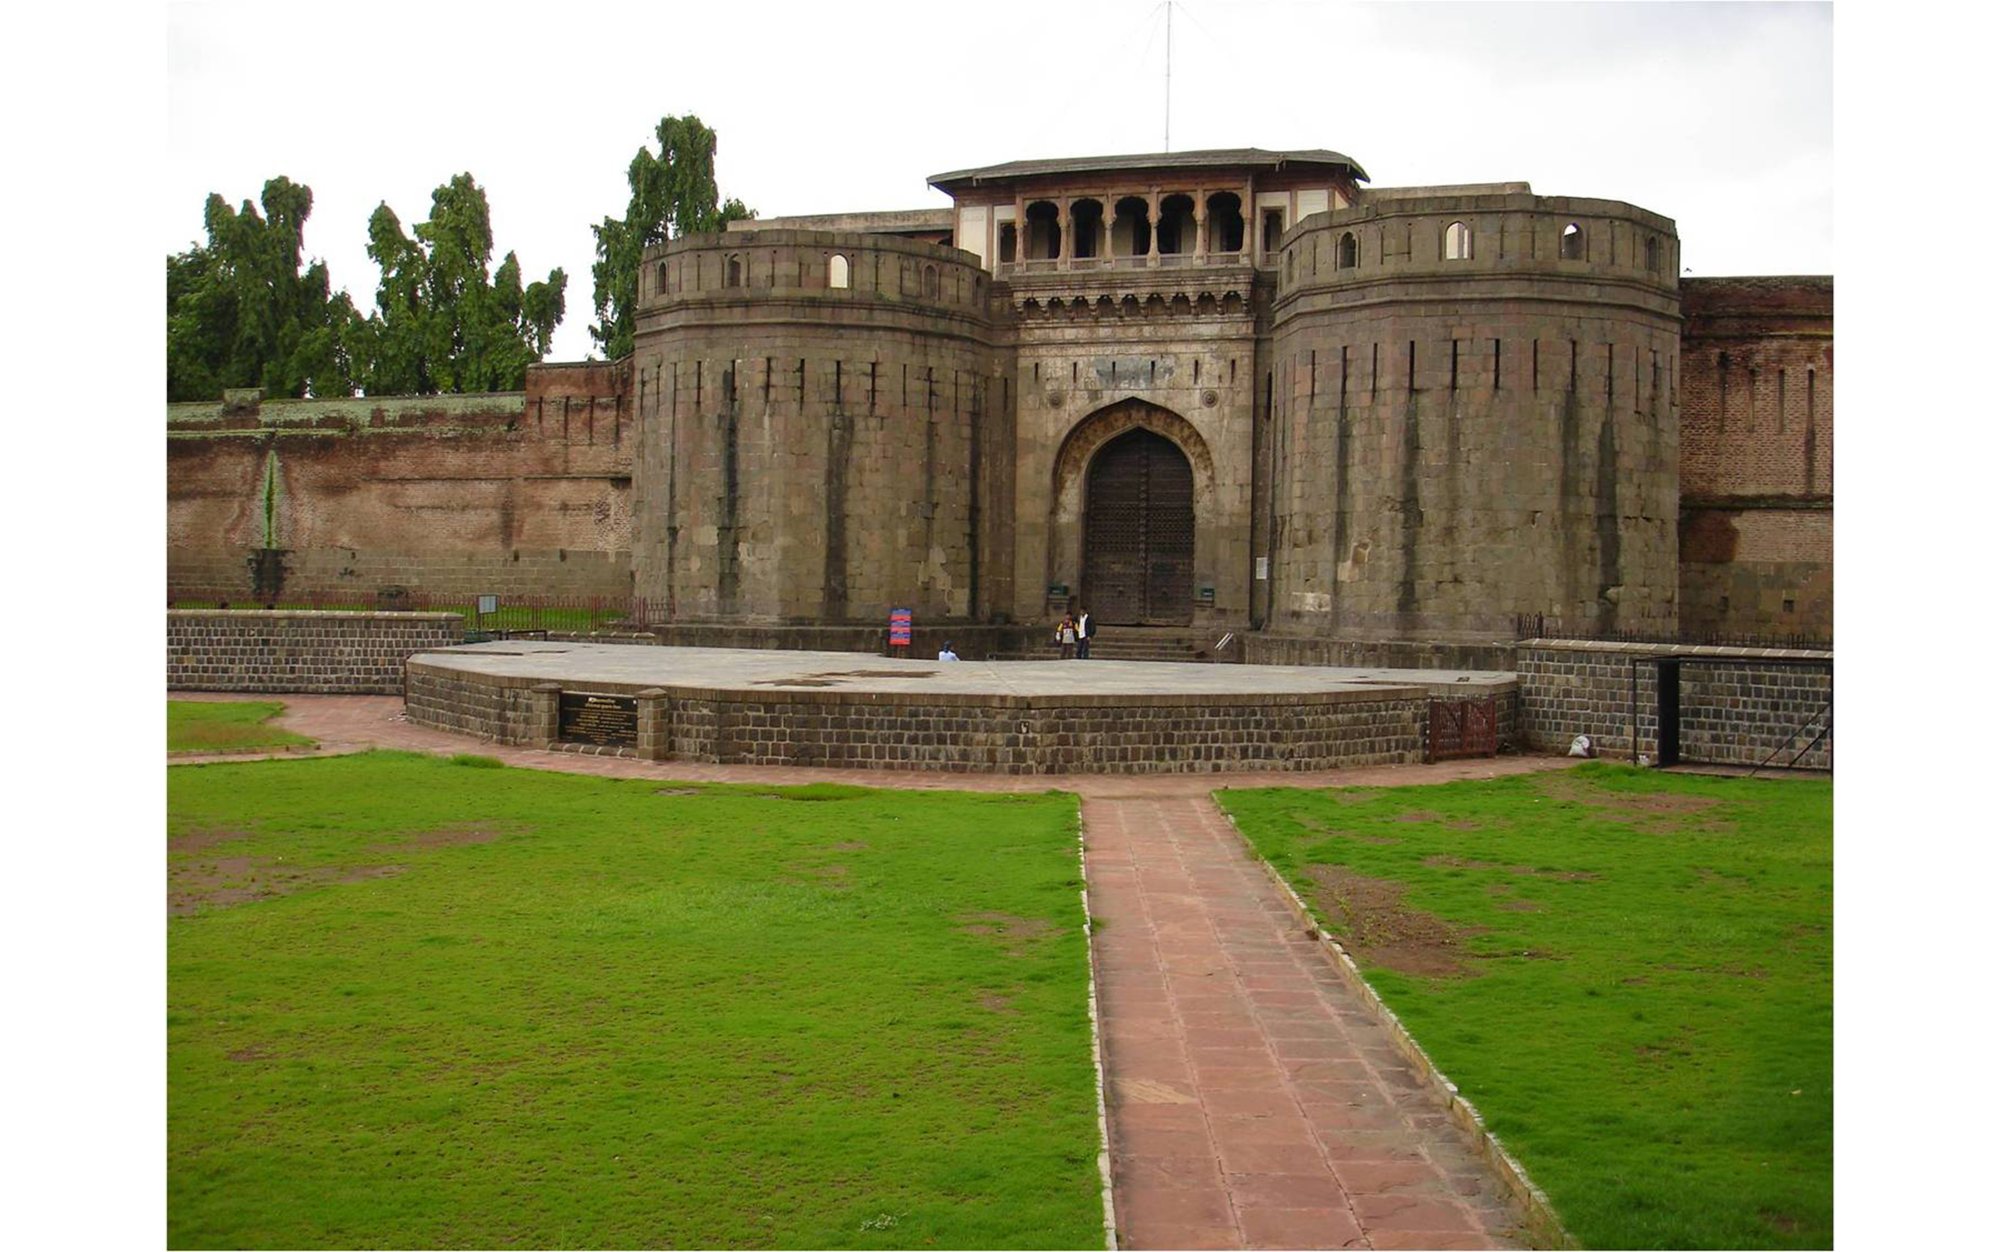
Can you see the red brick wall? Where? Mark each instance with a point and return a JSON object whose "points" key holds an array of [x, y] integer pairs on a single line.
{"points": [[1756, 392], [519, 494]]}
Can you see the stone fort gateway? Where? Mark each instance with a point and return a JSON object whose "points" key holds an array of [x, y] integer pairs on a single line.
{"points": [[1207, 392]]}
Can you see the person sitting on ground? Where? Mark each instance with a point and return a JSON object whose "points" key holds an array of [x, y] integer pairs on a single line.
{"points": [[945, 653]]}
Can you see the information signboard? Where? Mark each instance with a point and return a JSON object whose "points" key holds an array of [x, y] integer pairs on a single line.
{"points": [[588, 717], [899, 628]]}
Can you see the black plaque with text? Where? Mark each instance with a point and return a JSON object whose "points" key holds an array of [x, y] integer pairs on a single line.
{"points": [[587, 717]]}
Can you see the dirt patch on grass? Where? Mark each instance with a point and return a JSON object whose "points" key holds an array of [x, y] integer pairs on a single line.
{"points": [[1524, 871], [1014, 934], [1334, 832], [1654, 813], [448, 837], [678, 791], [1418, 815], [1376, 926], [1508, 903], [998, 1003], [195, 885], [202, 840]]}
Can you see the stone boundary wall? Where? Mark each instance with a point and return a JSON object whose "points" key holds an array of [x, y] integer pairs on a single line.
{"points": [[1738, 711], [986, 733], [281, 651]]}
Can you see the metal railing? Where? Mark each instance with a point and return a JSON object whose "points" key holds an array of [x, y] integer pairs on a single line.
{"points": [[495, 616], [1541, 626]]}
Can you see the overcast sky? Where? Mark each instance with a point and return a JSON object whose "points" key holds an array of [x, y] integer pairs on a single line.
{"points": [[1717, 115]]}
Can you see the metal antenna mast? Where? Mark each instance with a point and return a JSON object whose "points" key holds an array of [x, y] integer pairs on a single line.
{"points": [[1167, 137]]}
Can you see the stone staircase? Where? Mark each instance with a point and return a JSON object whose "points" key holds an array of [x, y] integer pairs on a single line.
{"points": [[1149, 643]]}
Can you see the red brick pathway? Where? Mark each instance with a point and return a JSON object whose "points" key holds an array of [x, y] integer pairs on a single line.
{"points": [[1253, 1101]]}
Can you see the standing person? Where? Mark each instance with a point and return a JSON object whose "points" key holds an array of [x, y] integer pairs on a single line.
{"points": [[1085, 628], [1066, 636]]}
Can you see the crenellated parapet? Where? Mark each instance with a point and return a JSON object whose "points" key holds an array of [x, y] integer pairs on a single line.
{"points": [[811, 275], [1429, 246]]}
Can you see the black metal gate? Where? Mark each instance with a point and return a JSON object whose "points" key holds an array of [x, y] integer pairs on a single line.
{"points": [[1463, 728], [1138, 534]]}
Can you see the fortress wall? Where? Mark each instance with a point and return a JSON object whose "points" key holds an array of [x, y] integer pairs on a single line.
{"points": [[519, 494], [1457, 441], [1756, 511], [810, 453]]}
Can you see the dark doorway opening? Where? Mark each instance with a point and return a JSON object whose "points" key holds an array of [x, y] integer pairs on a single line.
{"points": [[1138, 533]]}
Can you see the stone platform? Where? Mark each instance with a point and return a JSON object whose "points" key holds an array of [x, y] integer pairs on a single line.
{"points": [[728, 706]]}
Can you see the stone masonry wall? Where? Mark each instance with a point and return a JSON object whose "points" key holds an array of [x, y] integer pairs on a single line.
{"points": [[1734, 709], [810, 452], [326, 653], [1456, 440], [1000, 734]]}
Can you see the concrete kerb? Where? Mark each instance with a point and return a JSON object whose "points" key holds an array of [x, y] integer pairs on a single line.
{"points": [[1096, 1042], [1543, 1224]]}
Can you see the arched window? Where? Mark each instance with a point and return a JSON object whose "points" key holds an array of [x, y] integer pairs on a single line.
{"points": [[1175, 230], [1457, 242], [1086, 228], [1572, 243], [1652, 256], [930, 282], [733, 275], [1346, 255], [836, 271], [1274, 227], [1044, 241], [1131, 227], [660, 278]]}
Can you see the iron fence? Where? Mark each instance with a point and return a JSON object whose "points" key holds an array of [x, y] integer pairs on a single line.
{"points": [[1541, 626], [495, 616]]}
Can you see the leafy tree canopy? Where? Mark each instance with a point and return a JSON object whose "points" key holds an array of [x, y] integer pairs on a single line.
{"points": [[673, 194], [441, 322], [240, 313]]}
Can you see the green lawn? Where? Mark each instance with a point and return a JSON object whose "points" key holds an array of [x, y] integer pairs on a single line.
{"points": [[1629, 973], [416, 1002], [232, 726]]}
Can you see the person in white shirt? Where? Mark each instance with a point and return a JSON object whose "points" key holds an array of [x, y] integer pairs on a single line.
{"points": [[946, 654]]}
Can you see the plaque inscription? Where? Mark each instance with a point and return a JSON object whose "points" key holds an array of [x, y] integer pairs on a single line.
{"points": [[588, 717]]}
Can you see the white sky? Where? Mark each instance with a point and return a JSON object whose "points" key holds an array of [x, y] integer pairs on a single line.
{"points": [[1717, 115]]}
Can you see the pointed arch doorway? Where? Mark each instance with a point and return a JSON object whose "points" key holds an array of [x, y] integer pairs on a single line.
{"points": [[1138, 532]]}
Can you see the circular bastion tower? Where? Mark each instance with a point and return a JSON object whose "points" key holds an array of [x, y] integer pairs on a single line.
{"points": [[1474, 416], [814, 410]]}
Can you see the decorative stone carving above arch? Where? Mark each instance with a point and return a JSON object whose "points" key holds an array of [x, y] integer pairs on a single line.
{"points": [[1092, 432]]}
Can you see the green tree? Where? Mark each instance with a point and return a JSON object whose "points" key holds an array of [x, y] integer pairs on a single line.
{"points": [[673, 194], [241, 313], [441, 322]]}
